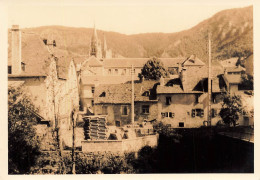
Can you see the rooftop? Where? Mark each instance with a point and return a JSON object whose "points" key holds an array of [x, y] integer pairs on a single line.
{"points": [[121, 93]]}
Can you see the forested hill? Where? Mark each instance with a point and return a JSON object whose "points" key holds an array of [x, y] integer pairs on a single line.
{"points": [[232, 35]]}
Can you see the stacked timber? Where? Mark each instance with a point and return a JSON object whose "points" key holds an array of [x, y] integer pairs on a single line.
{"points": [[95, 127]]}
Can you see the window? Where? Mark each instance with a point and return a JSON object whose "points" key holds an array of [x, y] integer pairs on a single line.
{"points": [[92, 102], [93, 89], [9, 69], [213, 112], [109, 71], [171, 114], [166, 114], [118, 123], [168, 100], [124, 110], [181, 124], [116, 71], [104, 110], [163, 115], [145, 109], [197, 112]]}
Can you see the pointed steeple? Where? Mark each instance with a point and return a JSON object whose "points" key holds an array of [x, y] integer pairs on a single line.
{"points": [[95, 49], [94, 35]]}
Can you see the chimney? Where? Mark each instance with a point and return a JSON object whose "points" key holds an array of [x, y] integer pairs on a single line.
{"points": [[16, 50], [162, 81]]}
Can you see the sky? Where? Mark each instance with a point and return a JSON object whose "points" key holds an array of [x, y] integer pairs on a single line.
{"points": [[127, 17]]}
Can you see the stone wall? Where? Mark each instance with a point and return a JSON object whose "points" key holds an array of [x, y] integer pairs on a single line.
{"points": [[115, 146]]}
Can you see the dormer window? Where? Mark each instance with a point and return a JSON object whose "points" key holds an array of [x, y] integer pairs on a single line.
{"points": [[103, 94], [146, 93]]}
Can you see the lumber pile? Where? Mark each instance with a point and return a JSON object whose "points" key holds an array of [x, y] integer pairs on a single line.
{"points": [[95, 127]]}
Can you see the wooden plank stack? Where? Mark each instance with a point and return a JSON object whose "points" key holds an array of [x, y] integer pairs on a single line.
{"points": [[95, 127]]}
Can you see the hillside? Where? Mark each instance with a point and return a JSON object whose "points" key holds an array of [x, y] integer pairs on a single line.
{"points": [[232, 35]]}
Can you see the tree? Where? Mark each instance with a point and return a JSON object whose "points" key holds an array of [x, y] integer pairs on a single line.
{"points": [[153, 69], [23, 145], [231, 109], [247, 82]]}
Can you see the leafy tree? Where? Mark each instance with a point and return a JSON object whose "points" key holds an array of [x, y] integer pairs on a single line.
{"points": [[153, 69], [23, 146], [247, 82], [231, 109]]}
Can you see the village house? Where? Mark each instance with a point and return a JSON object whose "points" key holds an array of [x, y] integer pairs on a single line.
{"points": [[48, 76], [115, 101], [183, 101]]}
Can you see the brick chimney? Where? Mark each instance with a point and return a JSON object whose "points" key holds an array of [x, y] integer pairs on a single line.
{"points": [[16, 50]]}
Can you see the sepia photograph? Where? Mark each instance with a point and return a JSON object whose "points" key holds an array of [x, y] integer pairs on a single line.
{"points": [[129, 87]]}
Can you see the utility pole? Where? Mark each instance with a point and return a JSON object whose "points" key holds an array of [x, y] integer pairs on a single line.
{"points": [[209, 82], [73, 116], [132, 103]]}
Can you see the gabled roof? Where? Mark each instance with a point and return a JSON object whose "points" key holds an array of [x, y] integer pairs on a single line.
{"points": [[173, 86], [229, 62], [34, 54], [121, 93], [92, 61], [235, 69], [37, 57], [193, 61]]}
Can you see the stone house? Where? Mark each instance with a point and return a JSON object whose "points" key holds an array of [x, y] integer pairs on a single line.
{"points": [[183, 101], [115, 101], [48, 75]]}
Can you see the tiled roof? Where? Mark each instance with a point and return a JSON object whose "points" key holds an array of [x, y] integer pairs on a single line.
{"points": [[105, 79], [229, 62], [193, 61], [37, 57], [121, 93], [34, 54], [93, 62], [235, 69], [173, 86], [138, 62]]}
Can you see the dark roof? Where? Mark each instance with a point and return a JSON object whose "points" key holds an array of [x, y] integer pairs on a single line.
{"points": [[121, 93]]}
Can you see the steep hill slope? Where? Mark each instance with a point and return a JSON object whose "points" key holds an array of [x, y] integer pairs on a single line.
{"points": [[232, 35]]}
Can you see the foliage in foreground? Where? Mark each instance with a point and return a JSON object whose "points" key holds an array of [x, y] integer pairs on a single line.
{"points": [[231, 109], [23, 145]]}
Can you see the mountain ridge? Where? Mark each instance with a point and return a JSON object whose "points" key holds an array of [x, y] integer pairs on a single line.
{"points": [[232, 35]]}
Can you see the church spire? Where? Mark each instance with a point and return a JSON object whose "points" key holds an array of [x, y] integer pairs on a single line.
{"points": [[95, 49]]}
